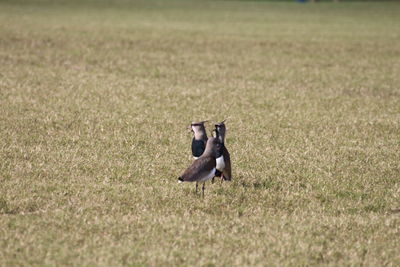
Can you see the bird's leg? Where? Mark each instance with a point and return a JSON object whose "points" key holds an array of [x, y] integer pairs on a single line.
{"points": [[212, 180], [222, 178], [203, 187], [197, 185]]}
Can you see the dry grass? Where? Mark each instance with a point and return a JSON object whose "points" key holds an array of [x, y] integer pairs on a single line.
{"points": [[95, 97]]}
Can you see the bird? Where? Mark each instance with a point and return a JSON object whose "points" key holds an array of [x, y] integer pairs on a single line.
{"points": [[199, 138], [223, 160], [203, 168]]}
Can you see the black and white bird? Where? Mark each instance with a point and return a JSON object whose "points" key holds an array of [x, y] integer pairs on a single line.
{"points": [[223, 162], [203, 168], [199, 138]]}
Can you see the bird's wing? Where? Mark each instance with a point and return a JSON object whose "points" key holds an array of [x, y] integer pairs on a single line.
{"points": [[227, 170], [200, 168]]}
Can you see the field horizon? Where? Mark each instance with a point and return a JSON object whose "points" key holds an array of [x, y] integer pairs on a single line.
{"points": [[95, 98]]}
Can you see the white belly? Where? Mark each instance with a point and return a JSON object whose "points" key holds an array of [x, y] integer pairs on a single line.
{"points": [[220, 163], [208, 176]]}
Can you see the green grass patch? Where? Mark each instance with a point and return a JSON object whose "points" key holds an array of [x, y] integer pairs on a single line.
{"points": [[95, 97]]}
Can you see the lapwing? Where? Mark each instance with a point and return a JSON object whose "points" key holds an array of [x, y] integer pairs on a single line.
{"points": [[223, 158], [199, 138], [203, 168]]}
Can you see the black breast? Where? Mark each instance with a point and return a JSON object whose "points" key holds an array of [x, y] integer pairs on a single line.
{"points": [[198, 147], [219, 153]]}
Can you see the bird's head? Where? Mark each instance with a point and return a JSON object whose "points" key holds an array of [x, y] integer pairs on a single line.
{"points": [[198, 128]]}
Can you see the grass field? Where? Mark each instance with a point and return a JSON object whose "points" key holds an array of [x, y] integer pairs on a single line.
{"points": [[95, 97]]}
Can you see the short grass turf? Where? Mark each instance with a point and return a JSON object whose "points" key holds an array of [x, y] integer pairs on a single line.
{"points": [[95, 97]]}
